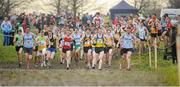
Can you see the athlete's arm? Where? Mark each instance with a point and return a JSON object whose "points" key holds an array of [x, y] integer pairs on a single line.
{"points": [[48, 42], [146, 30], [82, 38], [134, 40], [57, 40], [150, 22], [34, 43]]}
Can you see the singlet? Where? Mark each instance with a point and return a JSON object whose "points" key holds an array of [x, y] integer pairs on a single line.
{"points": [[169, 24], [77, 38], [36, 36], [42, 42], [28, 41], [61, 38], [127, 41], [154, 29], [99, 40], [52, 42], [19, 40], [141, 32], [109, 40], [87, 41], [164, 23], [67, 42]]}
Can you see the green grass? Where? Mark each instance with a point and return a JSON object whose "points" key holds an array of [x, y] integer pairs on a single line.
{"points": [[165, 75]]}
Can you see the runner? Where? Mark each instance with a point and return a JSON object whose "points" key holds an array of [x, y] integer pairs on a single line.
{"points": [[117, 45], [35, 56], [87, 47], [99, 48], [67, 48], [154, 25], [18, 41], [109, 44], [166, 26], [61, 40], [51, 48], [73, 55], [77, 38], [94, 61], [127, 44], [82, 31], [28, 40], [142, 32], [42, 46]]}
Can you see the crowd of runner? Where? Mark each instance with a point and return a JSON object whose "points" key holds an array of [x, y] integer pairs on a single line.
{"points": [[90, 38]]}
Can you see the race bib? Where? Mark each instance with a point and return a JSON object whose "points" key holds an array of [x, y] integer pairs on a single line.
{"points": [[99, 41], [87, 42], [42, 43], [52, 43], [28, 43], [67, 44], [18, 43]]}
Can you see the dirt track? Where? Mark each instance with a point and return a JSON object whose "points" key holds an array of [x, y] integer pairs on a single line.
{"points": [[77, 77], [58, 75]]}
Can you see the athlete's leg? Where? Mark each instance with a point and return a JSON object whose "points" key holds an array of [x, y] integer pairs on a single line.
{"points": [[77, 55], [122, 61], [48, 55], [20, 55], [29, 57], [81, 53], [105, 58], [68, 58], [94, 59], [52, 55], [48, 58], [89, 57], [63, 58], [128, 59], [85, 57], [110, 57], [101, 54], [27, 60]]}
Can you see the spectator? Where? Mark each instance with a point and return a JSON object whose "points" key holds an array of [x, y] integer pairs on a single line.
{"points": [[14, 29], [1, 19], [98, 20], [115, 21], [6, 28], [84, 19], [25, 23]]}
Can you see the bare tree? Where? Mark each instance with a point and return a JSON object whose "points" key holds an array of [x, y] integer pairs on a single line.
{"points": [[148, 6], [76, 4], [6, 6], [57, 4], [141, 5], [174, 3]]}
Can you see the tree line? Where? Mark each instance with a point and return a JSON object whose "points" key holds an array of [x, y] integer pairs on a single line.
{"points": [[73, 6]]}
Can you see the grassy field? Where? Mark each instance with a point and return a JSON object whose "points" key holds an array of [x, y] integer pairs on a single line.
{"points": [[141, 74]]}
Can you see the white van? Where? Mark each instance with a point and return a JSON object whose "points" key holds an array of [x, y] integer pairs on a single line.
{"points": [[170, 12]]}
